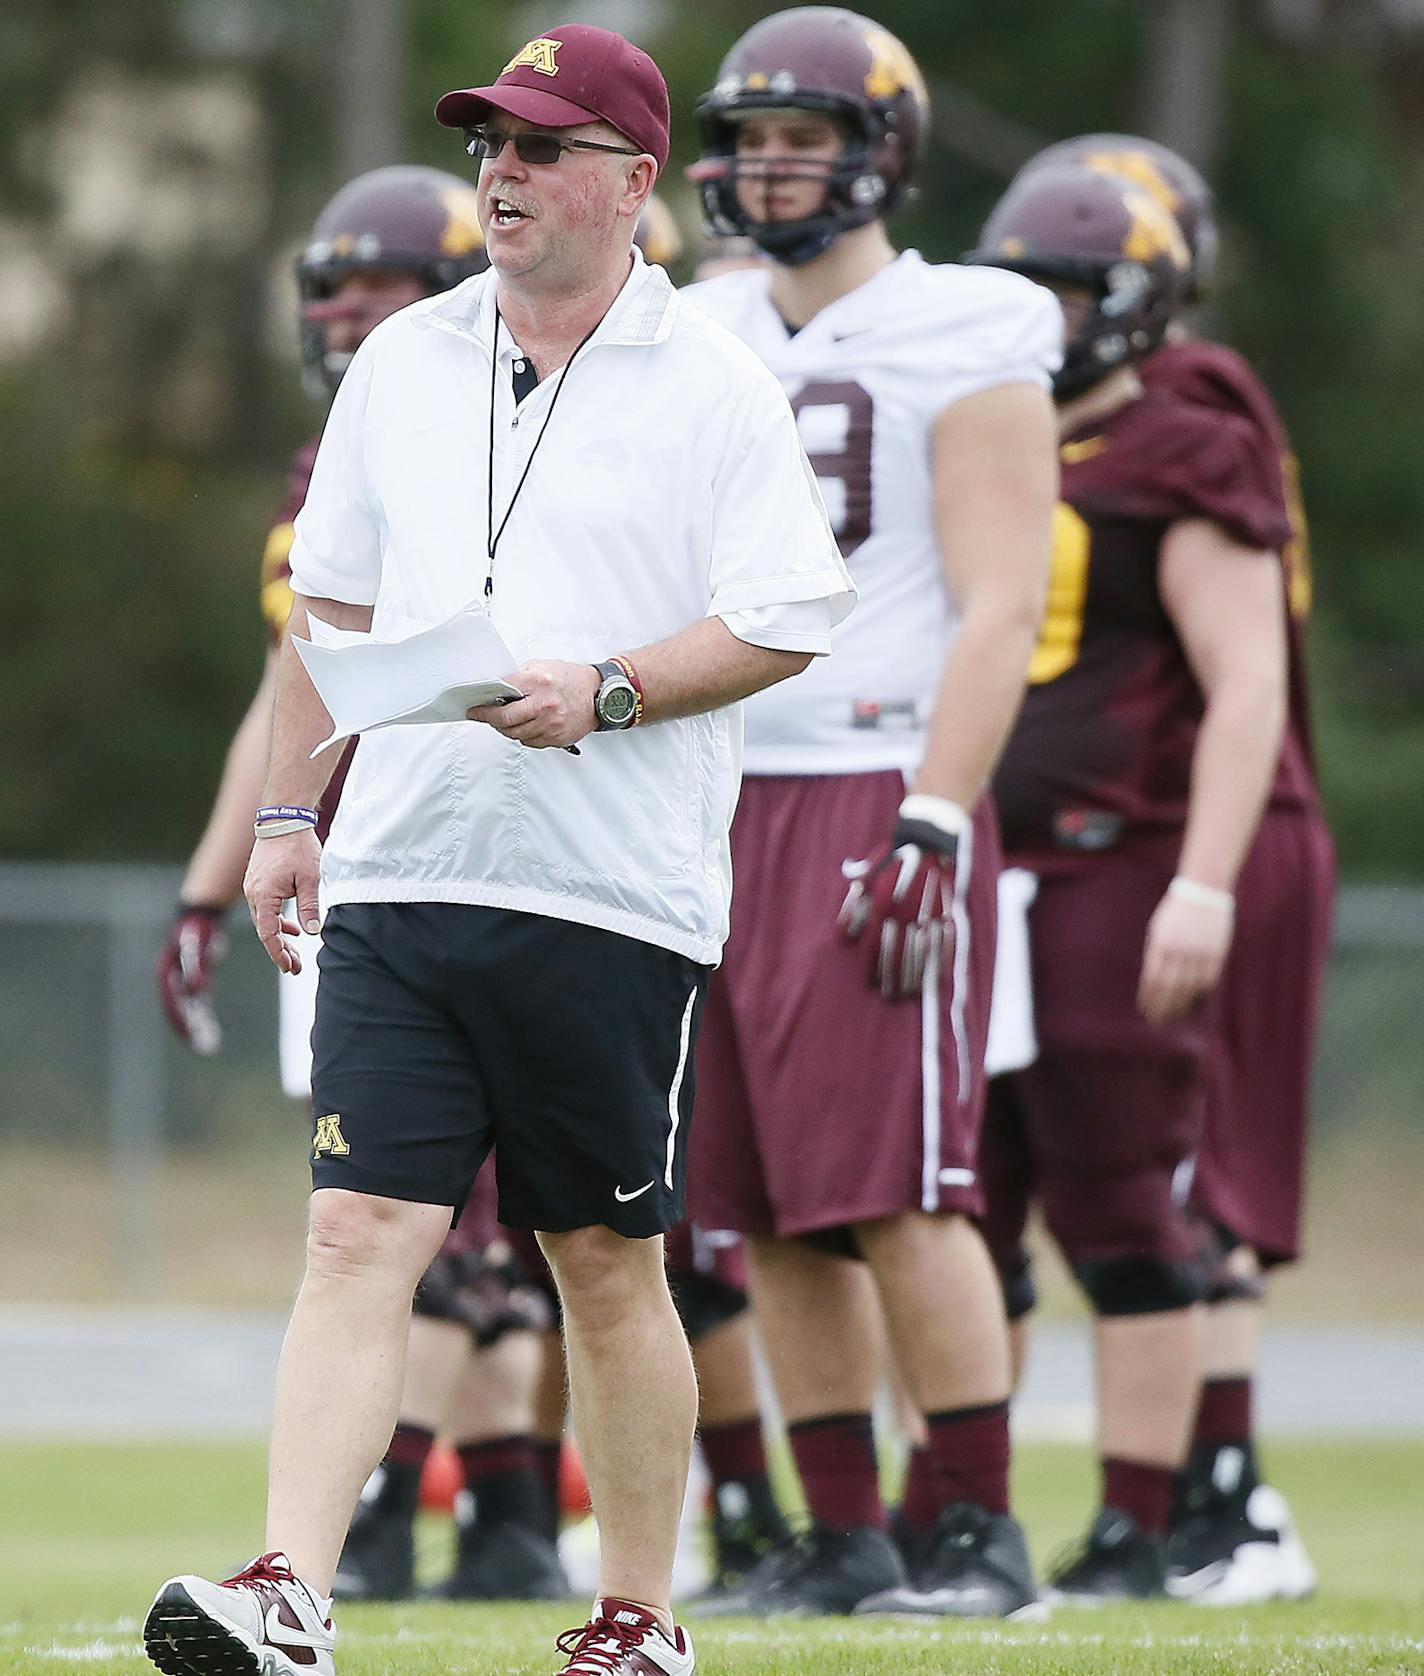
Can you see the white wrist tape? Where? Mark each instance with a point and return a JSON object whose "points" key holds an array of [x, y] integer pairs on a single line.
{"points": [[1205, 896], [942, 812]]}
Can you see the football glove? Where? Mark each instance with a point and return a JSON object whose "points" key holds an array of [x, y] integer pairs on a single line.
{"points": [[901, 897], [195, 945]]}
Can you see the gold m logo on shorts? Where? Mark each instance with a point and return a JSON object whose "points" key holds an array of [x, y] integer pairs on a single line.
{"points": [[328, 1137], [539, 55]]}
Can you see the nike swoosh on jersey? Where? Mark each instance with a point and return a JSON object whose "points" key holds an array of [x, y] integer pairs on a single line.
{"points": [[279, 1633], [623, 1198]]}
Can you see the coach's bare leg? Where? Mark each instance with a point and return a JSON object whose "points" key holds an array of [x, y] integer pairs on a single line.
{"points": [[820, 1325], [1149, 1373], [944, 1308], [634, 1398], [339, 1377]]}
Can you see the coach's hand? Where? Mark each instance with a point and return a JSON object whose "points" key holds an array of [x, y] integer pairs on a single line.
{"points": [[1186, 948], [195, 945], [556, 709], [279, 869], [901, 898]]}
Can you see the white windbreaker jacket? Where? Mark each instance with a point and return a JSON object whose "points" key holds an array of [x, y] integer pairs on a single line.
{"points": [[670, 485]]}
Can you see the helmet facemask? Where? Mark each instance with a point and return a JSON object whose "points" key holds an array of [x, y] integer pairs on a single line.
{"points": [[856, 191], [1120, 328]]}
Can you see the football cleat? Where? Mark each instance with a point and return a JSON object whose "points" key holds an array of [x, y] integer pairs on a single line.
{"points": [[622, 1639], [504, 1562], [1117, 1560], [976, 1566], [822, 1571], [378, 1558], [262, 1622], [747, 1525], [1239, 1551]]}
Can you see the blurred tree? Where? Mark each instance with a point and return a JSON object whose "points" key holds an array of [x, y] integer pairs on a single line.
{"points": [[159, 164]]}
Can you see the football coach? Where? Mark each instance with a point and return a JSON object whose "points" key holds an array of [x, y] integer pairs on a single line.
{"points": [[518, 936]]}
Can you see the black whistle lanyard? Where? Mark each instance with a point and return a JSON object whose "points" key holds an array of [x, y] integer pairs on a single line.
{"points": [[492, 534]]}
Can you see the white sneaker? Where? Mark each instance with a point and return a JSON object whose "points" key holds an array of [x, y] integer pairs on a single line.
{"points": [[622, 1639], [1242, 1556], [263, 1622]]}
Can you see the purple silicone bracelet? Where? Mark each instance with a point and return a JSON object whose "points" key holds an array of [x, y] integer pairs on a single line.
{"points": [[287, 812]]}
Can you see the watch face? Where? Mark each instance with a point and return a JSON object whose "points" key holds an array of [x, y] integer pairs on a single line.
{"points": [[617, 705]]}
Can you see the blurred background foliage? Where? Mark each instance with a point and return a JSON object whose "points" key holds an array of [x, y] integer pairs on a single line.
{"points": [[160, 161]]}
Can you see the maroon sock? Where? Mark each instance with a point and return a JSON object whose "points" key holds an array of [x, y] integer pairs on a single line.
{"points": [[734, 1453], [967, 1458], [548, 1457], [1224, 1412], [919, 1506], [502, 1476], [410, 1446], [835, 1457], [1140, 1490], [400, 1470]]}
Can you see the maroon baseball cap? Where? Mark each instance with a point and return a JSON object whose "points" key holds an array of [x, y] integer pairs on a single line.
{"points": [[573, 75]]}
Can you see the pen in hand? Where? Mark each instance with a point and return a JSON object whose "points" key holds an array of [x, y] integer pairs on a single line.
{"points": [[573, 750], [481, 714]]}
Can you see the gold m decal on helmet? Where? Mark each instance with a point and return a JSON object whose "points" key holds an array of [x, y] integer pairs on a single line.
{"points": [[539, 54], [461, 233], [892, 70], [1136, 166], [1153, 232], [328, 1137]]}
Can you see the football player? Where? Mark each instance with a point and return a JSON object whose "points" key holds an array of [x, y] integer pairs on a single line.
{"points": [[385, 240], [1233, 1541], [1132, 789], [840, 1070]]}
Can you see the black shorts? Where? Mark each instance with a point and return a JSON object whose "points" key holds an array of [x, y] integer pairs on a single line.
{"points": [[444, 1029]]}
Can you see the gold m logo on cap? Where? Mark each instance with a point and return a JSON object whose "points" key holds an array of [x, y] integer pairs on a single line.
{"points": [[539, 55], [328, 1137]]}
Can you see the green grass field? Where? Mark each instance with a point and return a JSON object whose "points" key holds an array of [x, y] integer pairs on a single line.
{"points": [[88, 1532]]}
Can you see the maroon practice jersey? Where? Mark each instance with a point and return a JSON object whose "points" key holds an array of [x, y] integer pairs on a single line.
{"points": [[277, 598], [1103, 746], [1214, 376]]}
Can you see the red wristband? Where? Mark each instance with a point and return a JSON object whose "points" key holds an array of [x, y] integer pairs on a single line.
{"points": [[626, 665]]}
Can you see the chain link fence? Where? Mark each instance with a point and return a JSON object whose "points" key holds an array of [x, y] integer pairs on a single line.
{"points": [[118, 1143]]}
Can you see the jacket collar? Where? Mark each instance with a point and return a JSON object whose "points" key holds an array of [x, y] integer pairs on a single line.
{"points": [[641, 313]]}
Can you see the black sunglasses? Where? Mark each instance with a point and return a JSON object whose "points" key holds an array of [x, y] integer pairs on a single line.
{"points": [[533, 147]]}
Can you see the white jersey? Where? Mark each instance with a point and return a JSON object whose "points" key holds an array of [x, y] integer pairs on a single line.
{"points": [[867, 379]]}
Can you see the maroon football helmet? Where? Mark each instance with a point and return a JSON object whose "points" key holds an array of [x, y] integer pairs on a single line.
{"points": [[1072, 225], [404, 219], [816, 58], [1170, 179]]}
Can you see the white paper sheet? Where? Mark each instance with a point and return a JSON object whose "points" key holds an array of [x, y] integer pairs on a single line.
{"points": [[434, 675]]}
